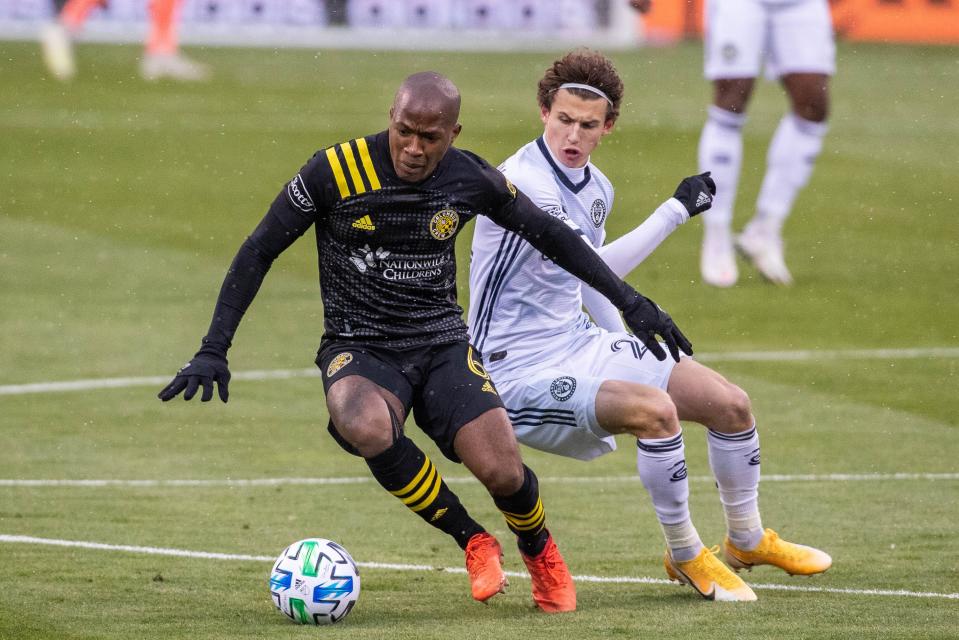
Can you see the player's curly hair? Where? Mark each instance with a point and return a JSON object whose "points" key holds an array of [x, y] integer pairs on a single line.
{"points": [[583, 66]]}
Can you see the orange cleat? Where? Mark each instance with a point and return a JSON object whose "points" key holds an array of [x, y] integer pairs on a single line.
{"points": [[483, 554], [553, 589]]}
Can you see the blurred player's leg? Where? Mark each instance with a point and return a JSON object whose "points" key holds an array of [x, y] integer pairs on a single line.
{"points": [[162, 57], [55, 37], [802, 54], [789, 164], [721, 152], [735, 34]]}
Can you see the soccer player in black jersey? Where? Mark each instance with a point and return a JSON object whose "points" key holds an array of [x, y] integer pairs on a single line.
{"points": [[387, 208]]}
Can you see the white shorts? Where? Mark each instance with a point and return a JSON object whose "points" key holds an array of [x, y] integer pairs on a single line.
{"points": [[790, 37], [553, 407]]}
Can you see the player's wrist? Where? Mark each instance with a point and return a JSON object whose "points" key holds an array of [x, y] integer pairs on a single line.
{"points": [[674, 210]]}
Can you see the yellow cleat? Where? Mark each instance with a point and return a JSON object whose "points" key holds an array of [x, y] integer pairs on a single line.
{"points": [[710, 577], [794, 559]]}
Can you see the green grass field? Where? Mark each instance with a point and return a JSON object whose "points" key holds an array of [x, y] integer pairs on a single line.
{"points": [[122, 203]]}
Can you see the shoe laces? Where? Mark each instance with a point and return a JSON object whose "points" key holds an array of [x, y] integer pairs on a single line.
{"points": [[478, 554], [546, 563], [713, 568]]}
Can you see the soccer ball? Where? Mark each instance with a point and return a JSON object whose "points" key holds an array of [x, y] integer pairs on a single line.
{"points": [[315, 581]]}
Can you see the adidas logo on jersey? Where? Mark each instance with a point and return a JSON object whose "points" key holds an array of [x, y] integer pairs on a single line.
{"points": [[702, 199], [364, 223], [488, 387]]}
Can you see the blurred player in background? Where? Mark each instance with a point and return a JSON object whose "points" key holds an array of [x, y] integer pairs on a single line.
{"points": [[387, 209], [161, 58], [569, 386], [795, 41]]}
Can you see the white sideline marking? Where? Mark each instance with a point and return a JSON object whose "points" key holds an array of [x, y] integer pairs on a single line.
{"points": [[273, 482], [183, 553], [282, 374]]}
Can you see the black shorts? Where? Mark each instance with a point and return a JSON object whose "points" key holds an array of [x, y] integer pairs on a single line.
{"points": [[445, 385]]}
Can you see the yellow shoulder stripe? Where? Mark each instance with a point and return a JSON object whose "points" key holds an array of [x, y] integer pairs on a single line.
{"points": [[351, 165], [338, 172], [354, 168], [367, 163]]}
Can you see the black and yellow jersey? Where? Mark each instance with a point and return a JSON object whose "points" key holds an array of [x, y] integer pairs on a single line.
{"points": [[386, 246]]}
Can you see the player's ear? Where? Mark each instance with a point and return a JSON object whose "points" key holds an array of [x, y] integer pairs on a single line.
{"points": [[608, 126], [544, 114], [456, 130]]}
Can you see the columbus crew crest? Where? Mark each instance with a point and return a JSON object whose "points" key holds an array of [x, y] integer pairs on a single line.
{"points": [[444, 224], [338, 363]]}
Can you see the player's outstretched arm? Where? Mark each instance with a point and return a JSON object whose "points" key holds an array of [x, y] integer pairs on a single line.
{"points": [[693, 196], [563, 246], [281, 226]]}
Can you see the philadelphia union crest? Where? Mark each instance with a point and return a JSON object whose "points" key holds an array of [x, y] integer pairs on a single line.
{"points": [[562, 389], [598, 212]]}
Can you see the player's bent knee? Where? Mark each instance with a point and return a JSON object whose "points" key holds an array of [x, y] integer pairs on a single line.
{"points": [[368, 438], [656, 418], [738, 410]]}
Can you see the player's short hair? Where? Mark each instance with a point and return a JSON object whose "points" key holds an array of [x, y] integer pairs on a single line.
{"points": [[583, 66]]}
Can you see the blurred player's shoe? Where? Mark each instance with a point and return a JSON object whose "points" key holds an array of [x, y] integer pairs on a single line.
{"points": [[483, 554], [710, 577], [765, 251], [154, 66], [794, 559], [553, 589], [57, 51], [717, 263]]}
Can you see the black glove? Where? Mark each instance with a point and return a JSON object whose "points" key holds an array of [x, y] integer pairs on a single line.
{"points": [[646, 319], [205, 368], [696, 193]]}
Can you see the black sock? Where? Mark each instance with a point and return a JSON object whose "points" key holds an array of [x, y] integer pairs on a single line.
{"points": [[525, 515], [408, 473]]}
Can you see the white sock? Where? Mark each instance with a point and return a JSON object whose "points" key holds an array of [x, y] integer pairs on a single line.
{"points": [[789, 164], [734, 458], [661, 463], [721, 152]]}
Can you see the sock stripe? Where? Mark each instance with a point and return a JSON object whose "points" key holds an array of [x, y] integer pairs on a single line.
{"points": [[528, 521], [661, 446], [436, 481], [417, 480], [732, 437]]}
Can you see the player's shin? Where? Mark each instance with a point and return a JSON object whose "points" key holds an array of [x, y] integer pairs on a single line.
{"points": [[789, 164], [661, 463], [408, 473], [734, 458], [525, 515]]}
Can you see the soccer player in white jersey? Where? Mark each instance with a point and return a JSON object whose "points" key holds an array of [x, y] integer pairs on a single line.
{"points": [[795, 41], [569, 385]]}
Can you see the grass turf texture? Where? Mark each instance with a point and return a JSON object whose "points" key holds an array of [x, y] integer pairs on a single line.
{"points": [[121, 204]]}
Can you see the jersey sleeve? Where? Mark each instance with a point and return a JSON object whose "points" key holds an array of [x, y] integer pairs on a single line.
{"points": [[292, 213]]}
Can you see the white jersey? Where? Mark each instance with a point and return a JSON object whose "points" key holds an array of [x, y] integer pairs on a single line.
{"points": [[523, 306]]}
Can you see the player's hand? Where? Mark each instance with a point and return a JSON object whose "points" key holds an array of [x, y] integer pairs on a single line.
{"points": [[204, 369], [646, 320], [643, 6], [696, 193]]}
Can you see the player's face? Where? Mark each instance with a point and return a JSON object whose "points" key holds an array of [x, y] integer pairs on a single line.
{"points": [[574, 127], [419, 138]]}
